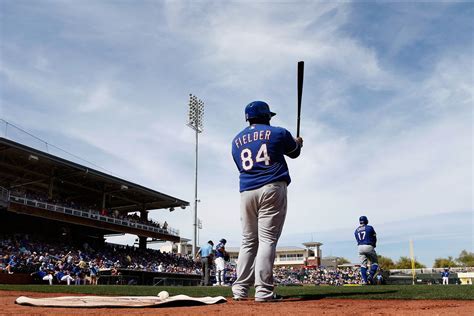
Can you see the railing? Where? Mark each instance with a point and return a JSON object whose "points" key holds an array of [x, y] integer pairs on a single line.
{"points": [[91, 215], [117, 280], [170, 281], [430, 270]]}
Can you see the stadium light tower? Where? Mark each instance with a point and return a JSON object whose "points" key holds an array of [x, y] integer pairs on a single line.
{"points": [[195, 115]]}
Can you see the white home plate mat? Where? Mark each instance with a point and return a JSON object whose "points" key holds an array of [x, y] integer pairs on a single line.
{"points": [[118, 301]]}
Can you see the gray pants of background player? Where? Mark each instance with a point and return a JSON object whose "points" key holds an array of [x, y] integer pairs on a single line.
{"points": [[263, 213], [205, 271], [367, 253]]}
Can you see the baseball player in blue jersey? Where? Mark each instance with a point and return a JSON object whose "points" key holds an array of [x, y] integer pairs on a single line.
{"points": [[367, 241], [258, 152], [220, 262], [445, 276]]}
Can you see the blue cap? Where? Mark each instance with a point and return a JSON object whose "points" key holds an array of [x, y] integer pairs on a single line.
{"points": [[258, 109], [363, 220]]}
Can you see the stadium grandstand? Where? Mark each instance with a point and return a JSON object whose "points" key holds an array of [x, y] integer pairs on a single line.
{"points": [[56, 214]]}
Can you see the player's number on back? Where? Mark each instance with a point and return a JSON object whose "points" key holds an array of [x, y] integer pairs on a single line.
{"points": [[361, 235], [247, 159]]}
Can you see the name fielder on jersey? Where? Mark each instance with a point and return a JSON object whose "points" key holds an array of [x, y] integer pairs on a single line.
{"points": [[250, 137]]}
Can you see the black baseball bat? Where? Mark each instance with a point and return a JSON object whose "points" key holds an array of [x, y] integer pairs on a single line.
{"points": [[300, 94]]}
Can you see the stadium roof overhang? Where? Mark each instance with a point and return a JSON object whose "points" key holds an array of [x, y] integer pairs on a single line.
{"points": [[38, 171]]}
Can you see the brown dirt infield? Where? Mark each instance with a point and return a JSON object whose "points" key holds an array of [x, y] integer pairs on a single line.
{"points": [[325, 306]]}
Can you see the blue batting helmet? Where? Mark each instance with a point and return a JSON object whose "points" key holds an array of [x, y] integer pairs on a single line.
{"points": [[258, 109], [223, 241], [363, 220]]}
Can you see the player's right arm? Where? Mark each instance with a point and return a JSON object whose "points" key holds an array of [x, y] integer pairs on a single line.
{"points": [[292, 145], [374, 237]]}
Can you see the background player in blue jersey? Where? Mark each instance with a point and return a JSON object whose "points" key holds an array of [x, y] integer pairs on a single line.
{"points": [[445, 276], [366, 241], [220, 262], [258, 153]]}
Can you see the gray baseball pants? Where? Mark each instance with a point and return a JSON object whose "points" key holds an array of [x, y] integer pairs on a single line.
{"points": [[263, 213], [367, 254]]}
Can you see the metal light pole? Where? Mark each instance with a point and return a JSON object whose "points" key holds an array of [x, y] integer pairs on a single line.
{"points": [[195, 114], [199, 229]]}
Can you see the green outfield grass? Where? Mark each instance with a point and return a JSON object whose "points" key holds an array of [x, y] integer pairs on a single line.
{"points": [[431, 292]]}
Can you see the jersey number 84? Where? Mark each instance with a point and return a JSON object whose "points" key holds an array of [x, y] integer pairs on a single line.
{"points": [[247, 159]]}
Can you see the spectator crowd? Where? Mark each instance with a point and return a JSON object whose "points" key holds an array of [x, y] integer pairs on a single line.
{"points": [[316, 276], [55, 260]]}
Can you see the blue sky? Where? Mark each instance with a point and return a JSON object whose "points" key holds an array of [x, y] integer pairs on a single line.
{"points": [[386, 118]]}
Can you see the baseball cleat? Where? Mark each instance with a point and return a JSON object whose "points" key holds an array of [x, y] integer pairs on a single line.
{"points": [[238, 298], [273, 298]]}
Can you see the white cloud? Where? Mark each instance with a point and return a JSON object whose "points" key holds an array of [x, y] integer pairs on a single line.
{"points": [[250, 46], [99, 99]]}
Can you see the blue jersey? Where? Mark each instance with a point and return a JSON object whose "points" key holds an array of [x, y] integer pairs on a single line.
{"points": [[60, 275], [365, 235], [219, 253], [445, 274], [258, 152], [42, 273], [94, 270]]}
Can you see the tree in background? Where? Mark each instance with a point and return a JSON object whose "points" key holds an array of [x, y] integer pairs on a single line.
{"points": [[466, 259], [385, 263], [444, 262], [405, 263]]}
